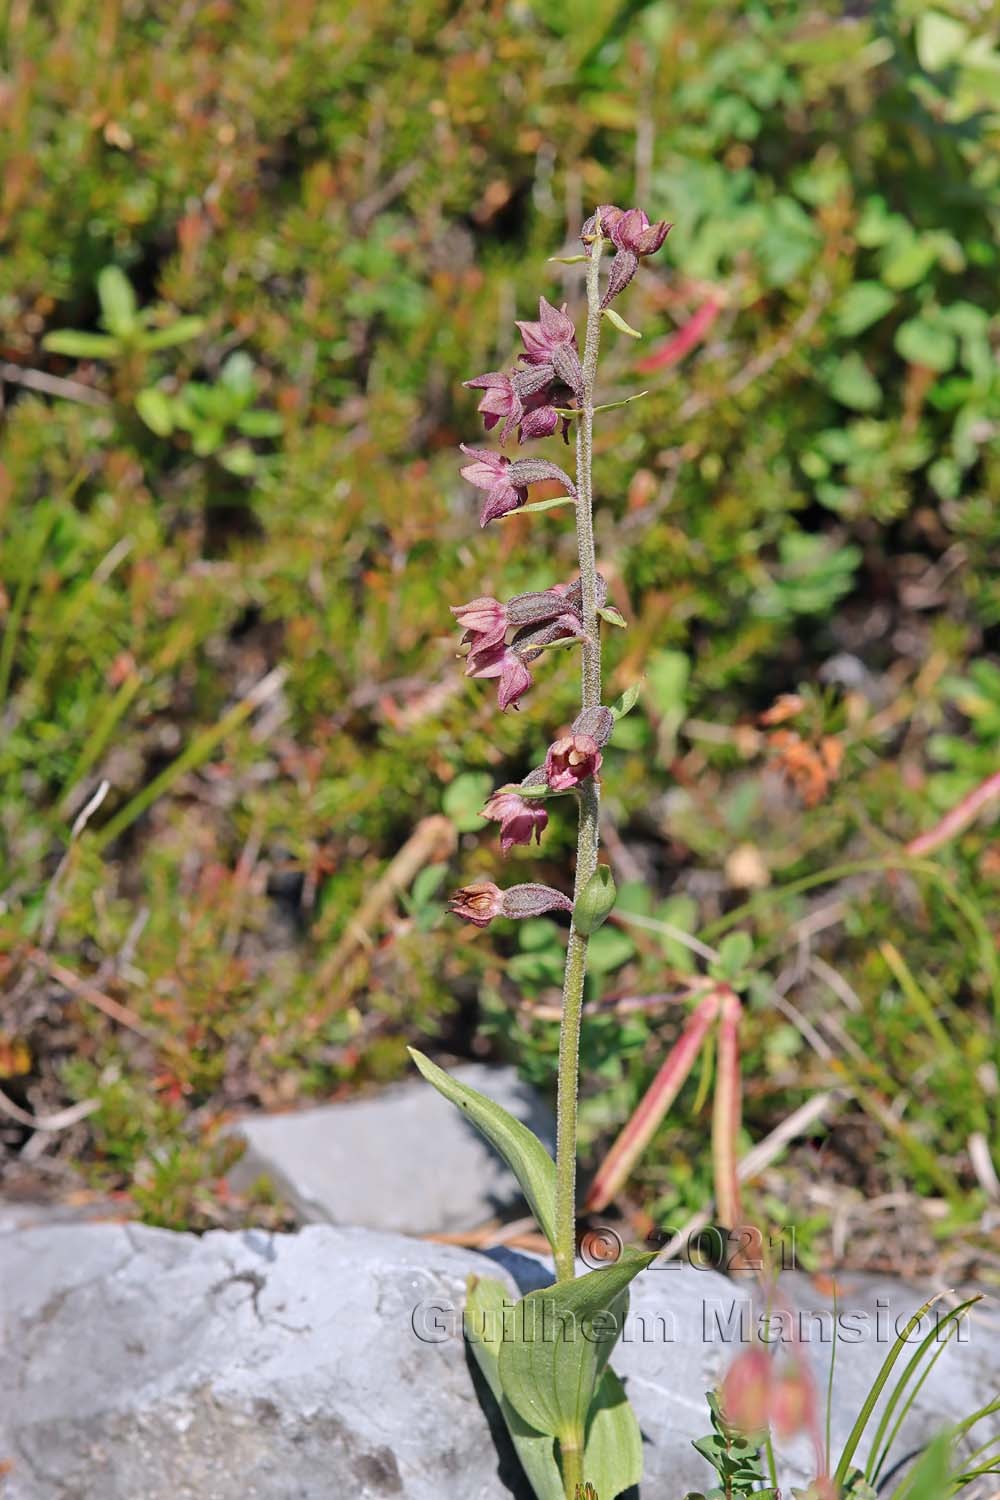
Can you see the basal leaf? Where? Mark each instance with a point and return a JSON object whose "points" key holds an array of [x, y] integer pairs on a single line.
{"points": [[486, 1306], [612, 1459], [558, 1344]]}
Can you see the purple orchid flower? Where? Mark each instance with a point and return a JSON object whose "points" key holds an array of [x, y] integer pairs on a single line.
{"points": [[501, 662], [519, 818]]}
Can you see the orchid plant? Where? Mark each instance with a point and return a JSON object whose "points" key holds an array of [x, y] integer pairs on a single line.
{"points": [[545, 1359], [547, 1365]]}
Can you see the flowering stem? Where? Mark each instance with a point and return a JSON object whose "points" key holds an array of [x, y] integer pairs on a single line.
{"points": [[588, 834]]}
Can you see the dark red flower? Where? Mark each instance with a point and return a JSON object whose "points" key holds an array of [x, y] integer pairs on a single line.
{"points": [[483, 620], [488, 471], [519, 818], [501, 399], [500, 661], [481, 902], [632, 235], [571, 760], [554, 330]]}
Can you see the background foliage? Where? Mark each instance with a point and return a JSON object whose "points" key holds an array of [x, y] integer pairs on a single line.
{"points": [[235, 454]]}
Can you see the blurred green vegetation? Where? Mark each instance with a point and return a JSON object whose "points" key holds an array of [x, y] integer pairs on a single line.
{"points": [[234, 453]]}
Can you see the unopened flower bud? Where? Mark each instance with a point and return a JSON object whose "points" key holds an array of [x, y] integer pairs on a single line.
{"points": [[596, 901], [571, 760], [597, 722], [791, 1401]]}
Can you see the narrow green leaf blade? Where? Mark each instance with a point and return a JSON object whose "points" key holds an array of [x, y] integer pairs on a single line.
{"points": [[627, 701], [878, 1385], [543, 505], [117, 298], [520, 1148], [179, 332], [620, 323], [76, 344], [558, 1345]]}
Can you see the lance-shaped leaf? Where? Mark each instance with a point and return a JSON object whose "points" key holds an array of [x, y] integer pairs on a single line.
{"points": [[77, 344], [116, 295], [620, 323], [520, 1148], [558, 1345]]}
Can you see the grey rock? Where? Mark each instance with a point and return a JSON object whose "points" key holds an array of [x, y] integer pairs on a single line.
{"points": [[404, 1160], [145, 1365]]}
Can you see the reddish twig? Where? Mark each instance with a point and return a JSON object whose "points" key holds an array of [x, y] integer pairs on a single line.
{"points": [[726, 1111], [958, 818], [662, 1092]]}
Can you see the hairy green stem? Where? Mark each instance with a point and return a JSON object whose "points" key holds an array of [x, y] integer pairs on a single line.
{"points": [[588, 833]]}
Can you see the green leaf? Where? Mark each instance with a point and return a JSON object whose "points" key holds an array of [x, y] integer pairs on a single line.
{"points": [[619, 322], [575, 411], [735, 952], [878, 1384], [237, 374], [609, 949], [568, 260], [668, 674], [862, 304], [240, 459], [520, 1148], [180, 332], [117, 299], [931, 1476], [259, 423], [940, 40], [543, 504], [627, 701], [852, 384], [157, 411], [558, 1345], [907, 260], [76, 344], [464, 797], [613, 616], [612, 1459], [487, 1304], [923, 342]]}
